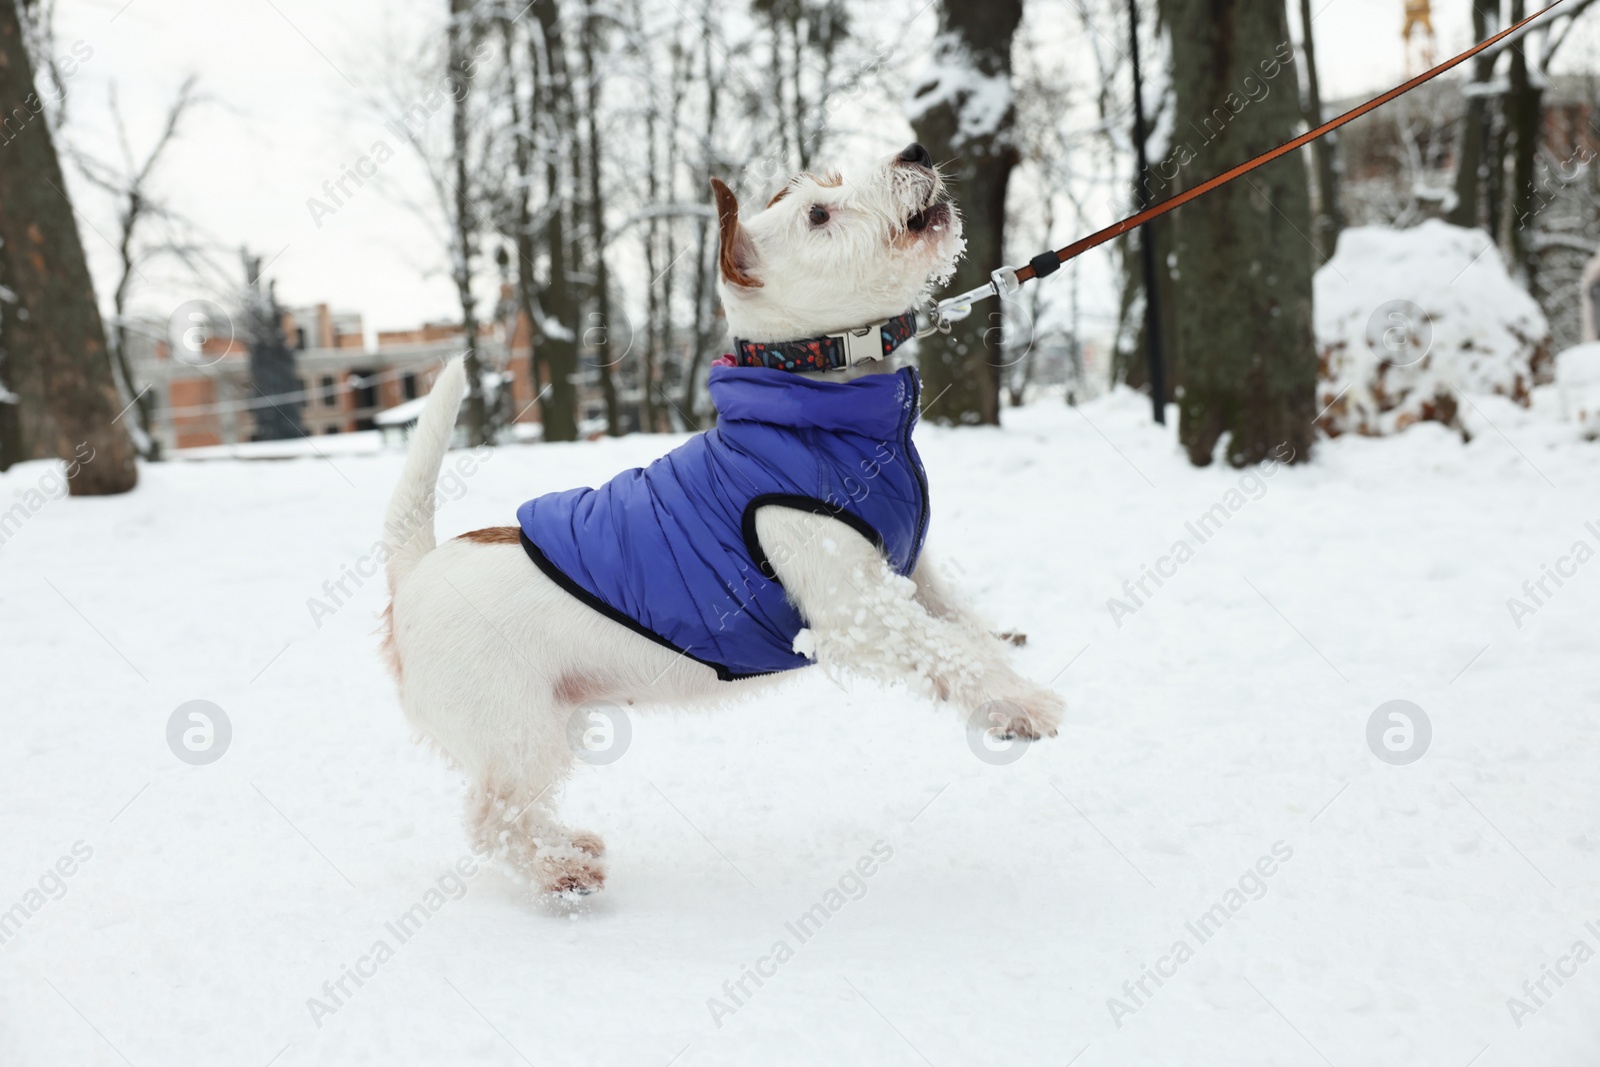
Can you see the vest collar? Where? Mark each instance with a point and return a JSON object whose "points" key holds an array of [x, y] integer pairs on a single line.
{"points": [[881, 406], [831, 351]]}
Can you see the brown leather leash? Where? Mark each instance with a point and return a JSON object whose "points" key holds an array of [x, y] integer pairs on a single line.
{"points": [[1008, 280]]}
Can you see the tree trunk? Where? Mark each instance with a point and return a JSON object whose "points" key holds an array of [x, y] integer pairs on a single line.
{"points": [[11, 444], [560, 344], [522, 158], [57, 362], [465, 236], [1132, 368], [653, 315], [1244, 302], [705, 318], [1329, 222], [1473, 144], [961, 370], [605, 353], [1524, 107]]}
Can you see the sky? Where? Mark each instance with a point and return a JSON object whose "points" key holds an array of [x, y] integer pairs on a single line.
{"points": [[294, 92]]}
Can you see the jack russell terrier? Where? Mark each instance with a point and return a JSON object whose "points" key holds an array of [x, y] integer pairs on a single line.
{"points": [[790, 534]]}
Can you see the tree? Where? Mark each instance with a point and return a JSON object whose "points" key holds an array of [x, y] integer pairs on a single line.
{"points": [[1475, 134], [1244, 310], [964, 114], [463, 35], [595, 205], [1499, 166], [272, 370], [129, 184], [65, 398], [1329, 222], [558, 325]]}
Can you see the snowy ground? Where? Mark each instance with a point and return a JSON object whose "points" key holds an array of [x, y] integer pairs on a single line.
{"points": [[1221, 728]]}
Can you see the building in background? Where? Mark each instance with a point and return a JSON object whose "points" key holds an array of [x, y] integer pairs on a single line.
{"points": [[207, 397]]}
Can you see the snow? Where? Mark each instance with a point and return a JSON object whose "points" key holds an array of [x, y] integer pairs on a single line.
{"points": [[339, 444], [401, 414], [1407, 319], [980, 101], [1215, 755], [1578, 375]]}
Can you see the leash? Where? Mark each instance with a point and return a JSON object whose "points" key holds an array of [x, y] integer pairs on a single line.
{"points": [[1007, 280]]}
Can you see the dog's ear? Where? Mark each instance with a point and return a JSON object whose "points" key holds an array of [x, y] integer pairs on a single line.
{"points": [[738, 253]]}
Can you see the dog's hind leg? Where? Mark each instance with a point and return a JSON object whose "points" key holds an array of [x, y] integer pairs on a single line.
{"points": [[479, 630], [867, 619], [512, 819]]}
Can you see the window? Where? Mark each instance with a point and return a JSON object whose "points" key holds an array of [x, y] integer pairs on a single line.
{"points": [[366, 389], [329, 397], [409, 385]]}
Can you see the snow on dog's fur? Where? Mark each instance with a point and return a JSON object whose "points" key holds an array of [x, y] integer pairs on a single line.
{"points": [[492, 658]]}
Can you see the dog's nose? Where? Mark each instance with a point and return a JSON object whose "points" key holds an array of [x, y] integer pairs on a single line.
{"points": [[915, 153]]}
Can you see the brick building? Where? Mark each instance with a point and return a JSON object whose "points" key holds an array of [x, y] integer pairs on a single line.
{"points": [[208, 398]]}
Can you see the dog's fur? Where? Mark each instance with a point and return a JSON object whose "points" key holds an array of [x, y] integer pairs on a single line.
{"points": [[493, 658]]}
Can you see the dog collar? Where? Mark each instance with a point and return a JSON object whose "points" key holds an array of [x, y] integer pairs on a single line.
{"points": [[833, 351]]}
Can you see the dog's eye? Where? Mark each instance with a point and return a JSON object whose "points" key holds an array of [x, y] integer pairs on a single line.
{"points": [[819, 214]]}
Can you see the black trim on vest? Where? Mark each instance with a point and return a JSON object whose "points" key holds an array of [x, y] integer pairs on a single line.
{"points": [[558, 576], [752, 543]]}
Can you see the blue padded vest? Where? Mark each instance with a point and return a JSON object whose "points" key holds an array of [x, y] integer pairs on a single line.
{"points": [[670, 550]]}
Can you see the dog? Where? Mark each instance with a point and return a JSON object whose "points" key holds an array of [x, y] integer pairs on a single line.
{"points": [[499, 636]]}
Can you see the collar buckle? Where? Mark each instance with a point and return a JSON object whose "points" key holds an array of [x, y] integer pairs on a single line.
{"points": [[861, 345]]}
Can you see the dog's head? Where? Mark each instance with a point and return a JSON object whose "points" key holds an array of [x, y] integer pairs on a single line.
{"points": [[831, 252]]}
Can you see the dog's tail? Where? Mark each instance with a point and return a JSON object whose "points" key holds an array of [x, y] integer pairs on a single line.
{"points": [[408, 527]]}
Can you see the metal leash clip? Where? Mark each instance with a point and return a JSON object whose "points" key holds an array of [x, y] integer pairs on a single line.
{"points": [[938, 318]]}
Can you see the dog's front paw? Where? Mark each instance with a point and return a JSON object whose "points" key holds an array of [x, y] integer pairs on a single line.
{"points": [[570, 870], [1027, 717]]}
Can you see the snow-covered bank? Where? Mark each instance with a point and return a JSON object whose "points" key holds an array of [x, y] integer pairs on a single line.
{"points": [[1023, 913], [1407, 320]]}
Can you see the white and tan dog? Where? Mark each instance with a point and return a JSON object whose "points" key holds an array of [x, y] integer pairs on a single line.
{"points": [[492, 656]]}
